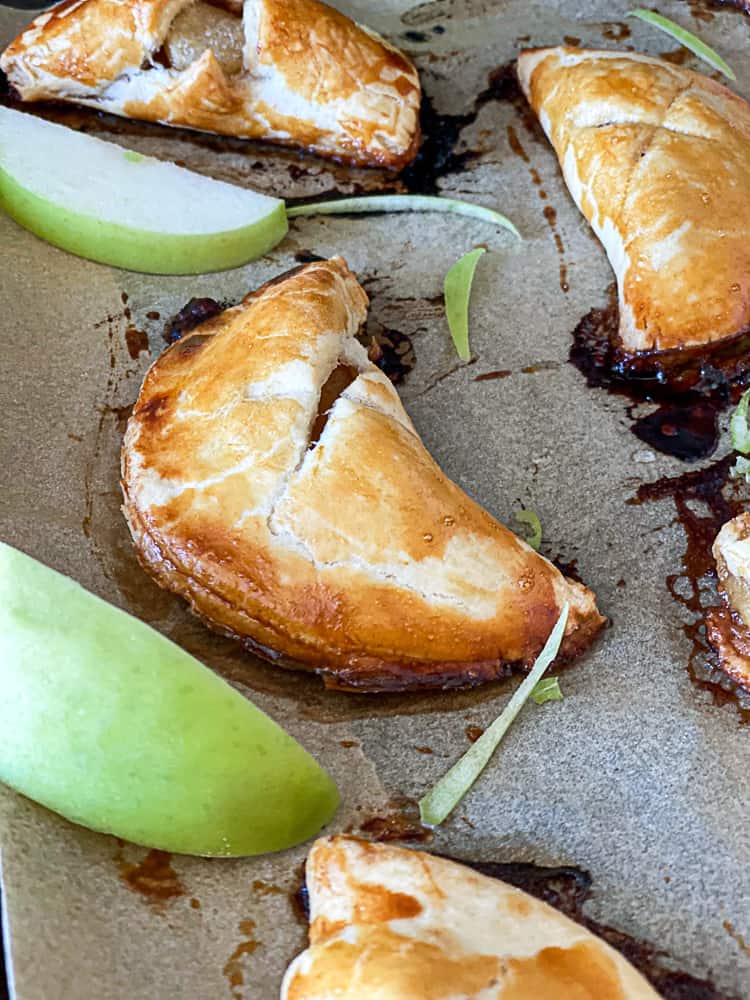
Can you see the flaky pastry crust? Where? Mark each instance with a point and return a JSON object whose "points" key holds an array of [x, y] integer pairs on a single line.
{"points": [[329, 541], [392, 924], [657, 158], [305, 75]]}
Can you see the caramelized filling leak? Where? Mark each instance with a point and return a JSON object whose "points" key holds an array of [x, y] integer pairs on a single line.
{"points": [[337, 383], [704, 500], [690, 388], [200, 27]]}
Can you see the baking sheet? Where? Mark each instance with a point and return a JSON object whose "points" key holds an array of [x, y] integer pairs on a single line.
{"points": [[636, 776]]}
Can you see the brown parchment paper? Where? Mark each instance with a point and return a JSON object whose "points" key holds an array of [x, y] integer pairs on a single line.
{"points": [[636, 775]]}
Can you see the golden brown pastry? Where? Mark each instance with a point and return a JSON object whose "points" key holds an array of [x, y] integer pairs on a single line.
{"points": [[728, 627], [658, 160], [391, 924], [295, 72], [272, 477]]}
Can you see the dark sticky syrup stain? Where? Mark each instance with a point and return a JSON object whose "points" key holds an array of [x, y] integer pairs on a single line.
{"points": [[550, 214], [393, 353], [153, 878], [261, 888], [473, 733], [401, 822], [678, 57], [572, 41], [348, 744], [307, 257], [516, 145], [136, 342], [195, 904], [233, 969], [568, 567], [437, 156], [426, 750], [616, 31], [689, 398], [490, 376], [739, 939], [192, 314], [702, 507], [700, 9]]}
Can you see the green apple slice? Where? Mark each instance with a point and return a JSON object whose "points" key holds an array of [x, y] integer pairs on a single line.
{"points": [[115, 206], [110, 724]]}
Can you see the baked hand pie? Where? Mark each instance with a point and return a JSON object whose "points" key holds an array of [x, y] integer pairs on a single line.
{"points": [[272, 477], [295, 72], [657, 158], [728, 627], [394, 924]]}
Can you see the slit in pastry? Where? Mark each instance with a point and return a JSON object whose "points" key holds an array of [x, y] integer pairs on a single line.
{"points": [[201, 27], [397, 924], [295, 72], [272, 478], [657, 158]]}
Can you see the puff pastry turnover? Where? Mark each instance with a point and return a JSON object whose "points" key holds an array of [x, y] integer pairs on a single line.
{"points": [[272, 477], [657, 158], [393, 924], [295, 72]]}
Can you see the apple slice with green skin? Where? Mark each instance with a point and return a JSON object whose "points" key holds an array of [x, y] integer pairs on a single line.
{"points": [[115, 206], [110, 724]]}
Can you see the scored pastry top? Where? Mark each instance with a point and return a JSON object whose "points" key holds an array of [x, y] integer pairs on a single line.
{"points": [[272, 476], [657, 158], [291, 71]]}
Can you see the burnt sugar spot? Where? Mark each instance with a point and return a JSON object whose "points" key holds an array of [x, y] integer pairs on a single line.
{"points": [[136, 342], [704, 500], [192, 314], [400, 822], [392, 352], [307, 257], [616, 31], [683, 392]]}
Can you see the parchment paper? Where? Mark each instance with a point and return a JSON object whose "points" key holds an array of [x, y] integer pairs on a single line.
{"points": [[635, 776]]}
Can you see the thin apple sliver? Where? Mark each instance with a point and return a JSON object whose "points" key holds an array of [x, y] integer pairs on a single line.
{"points": [[457, 290], [455, 783], [686, 38], [402, 203]]}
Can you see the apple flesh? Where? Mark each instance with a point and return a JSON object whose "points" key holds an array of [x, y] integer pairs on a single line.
{"points": [[110, 724], [113, 205]]}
